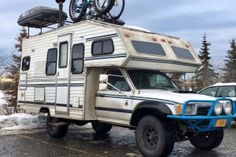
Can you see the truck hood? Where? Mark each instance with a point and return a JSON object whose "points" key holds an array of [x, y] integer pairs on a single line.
{"points": [[172, 96]]}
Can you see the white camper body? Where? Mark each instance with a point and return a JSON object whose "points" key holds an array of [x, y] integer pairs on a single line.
{"points": [[74, 96]]}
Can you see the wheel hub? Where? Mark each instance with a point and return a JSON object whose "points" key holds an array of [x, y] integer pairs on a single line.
{"points": [[150, 137]]}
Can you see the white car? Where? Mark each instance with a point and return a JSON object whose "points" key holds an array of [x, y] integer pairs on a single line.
{"points": [[221, 90]]}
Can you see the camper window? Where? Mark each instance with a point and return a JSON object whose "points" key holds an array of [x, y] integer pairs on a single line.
{"points": [[63, 55], [102, 47], [182, 53], [51, 64], [77, 59], [26, 63], [148, 48]]}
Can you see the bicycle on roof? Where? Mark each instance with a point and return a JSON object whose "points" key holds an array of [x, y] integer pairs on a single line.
{"points": [[96, 9]]}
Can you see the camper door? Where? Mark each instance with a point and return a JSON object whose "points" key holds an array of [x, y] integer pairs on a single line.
{"points": [[63, 77]]}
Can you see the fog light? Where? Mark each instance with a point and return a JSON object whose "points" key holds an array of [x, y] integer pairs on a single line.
{"points": [[218, 108], [228, 107]]}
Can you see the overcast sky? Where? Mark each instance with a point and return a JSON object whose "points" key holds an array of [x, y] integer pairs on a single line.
{"points": [[188, 19]]}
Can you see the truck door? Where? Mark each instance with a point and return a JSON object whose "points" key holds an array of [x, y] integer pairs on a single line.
{"points": [[115, 105], [63, 75]]}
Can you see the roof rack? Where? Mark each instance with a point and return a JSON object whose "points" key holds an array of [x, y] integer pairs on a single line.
{"points": [[40, 17]]}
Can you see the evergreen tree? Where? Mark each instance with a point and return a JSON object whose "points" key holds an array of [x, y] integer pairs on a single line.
{"points": [[206, 75], [230, 64], [12, 70]]}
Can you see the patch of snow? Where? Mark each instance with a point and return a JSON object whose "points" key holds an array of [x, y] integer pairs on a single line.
{"points": [[21, 122], [2, 101], [138, 28]]}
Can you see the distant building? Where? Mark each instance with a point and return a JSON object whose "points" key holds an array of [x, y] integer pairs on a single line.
{"points": [[5, 83]]}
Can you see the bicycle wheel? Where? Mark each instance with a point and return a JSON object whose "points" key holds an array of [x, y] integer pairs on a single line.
{"points": [[103, 6], [77, 10], [117, 9]]}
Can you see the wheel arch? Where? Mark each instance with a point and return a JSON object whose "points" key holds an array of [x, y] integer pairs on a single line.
{"points": [[44, 110], [159, 109]]}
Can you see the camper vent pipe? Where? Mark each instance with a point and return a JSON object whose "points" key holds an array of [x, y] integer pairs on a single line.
{"points": [[61, 22]]}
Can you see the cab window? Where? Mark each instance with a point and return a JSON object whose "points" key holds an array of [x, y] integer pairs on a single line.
{"points": [[117, 80]]}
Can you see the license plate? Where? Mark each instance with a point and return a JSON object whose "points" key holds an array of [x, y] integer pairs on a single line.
{"points": [[221, 123]]}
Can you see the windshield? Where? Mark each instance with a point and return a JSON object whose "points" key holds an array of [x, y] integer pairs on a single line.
{"points": [[151, 80]]}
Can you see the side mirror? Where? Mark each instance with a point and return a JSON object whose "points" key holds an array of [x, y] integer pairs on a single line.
{"points": [[103, 79], [103, 87]]}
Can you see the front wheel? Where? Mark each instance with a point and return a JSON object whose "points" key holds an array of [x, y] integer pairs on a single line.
{"points": [[77, 10], [56, 131], [208, 140], [117, 9], [103, 6], [154, 138]]}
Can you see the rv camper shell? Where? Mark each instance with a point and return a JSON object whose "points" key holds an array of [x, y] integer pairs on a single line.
{"points": [[75, 91], [67, 74]]}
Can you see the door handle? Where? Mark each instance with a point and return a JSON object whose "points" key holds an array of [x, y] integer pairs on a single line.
{"points": [[126, 103]]}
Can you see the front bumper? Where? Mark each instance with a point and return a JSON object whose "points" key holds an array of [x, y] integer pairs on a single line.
{"points": [[206, 123]]}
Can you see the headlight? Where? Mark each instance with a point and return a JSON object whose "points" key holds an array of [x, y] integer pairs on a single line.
{"points": [[227, 107], [218, 108], [191, 109]]}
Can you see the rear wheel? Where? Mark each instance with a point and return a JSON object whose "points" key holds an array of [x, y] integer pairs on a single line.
{"points": [[54, 129], [101, 128], [77, 10], [154, 138], [208, 140], [103, 6], [117, 9]]}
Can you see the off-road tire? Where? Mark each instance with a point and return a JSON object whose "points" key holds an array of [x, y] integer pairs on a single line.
{"points": [[56, 131], [208, 140], [159, 146], [101, 128]]}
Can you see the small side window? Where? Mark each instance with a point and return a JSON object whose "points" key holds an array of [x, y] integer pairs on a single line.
{"points": [[51, 65], [102, 47], [117, 80], [63, 55], [26, 63], [77, 59]]}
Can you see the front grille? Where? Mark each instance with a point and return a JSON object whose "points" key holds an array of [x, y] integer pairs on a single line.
{"points": [[203, 111]]}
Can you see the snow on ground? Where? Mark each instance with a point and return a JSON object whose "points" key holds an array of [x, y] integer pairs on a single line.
{"points": [[2, 101], [20, 122]]}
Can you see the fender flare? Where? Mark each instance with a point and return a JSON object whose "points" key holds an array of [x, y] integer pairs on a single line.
{"points": [[155, 107]]}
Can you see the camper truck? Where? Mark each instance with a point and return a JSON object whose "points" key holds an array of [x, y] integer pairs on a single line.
{"points": [[109, 75]]}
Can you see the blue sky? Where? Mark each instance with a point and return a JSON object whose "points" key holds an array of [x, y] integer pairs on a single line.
{"points": [[188, 19]]}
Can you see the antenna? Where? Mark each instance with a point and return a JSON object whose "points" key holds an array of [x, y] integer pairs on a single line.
{"points": [[61, 22]]}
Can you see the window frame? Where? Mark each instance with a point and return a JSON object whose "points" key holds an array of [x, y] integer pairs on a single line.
{"points": [[120, 76], [174, 48], [102, 51], [23, 63], [46, 71], [59, 64], [72, 59], [162, 54]]}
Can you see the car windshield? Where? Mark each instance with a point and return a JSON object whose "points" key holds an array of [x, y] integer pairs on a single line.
{"points": [[151, 80]]}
